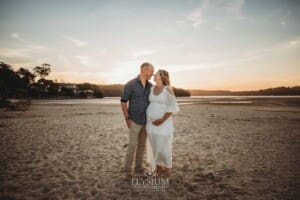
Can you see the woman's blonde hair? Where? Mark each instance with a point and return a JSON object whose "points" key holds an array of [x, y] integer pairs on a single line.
{"points": [[164, 76]]}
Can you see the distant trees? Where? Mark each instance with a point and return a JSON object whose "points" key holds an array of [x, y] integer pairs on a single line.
{"points": [[84, 87], [7, 80], [179, 92], [67, 92], [270, 91], [13, 83], [42, 71], [280, 91], [115, 90], [21, 83], [41, 87], [26, 76]]}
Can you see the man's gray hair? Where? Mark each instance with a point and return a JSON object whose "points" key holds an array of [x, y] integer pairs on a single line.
{"points": [[146, 64]]}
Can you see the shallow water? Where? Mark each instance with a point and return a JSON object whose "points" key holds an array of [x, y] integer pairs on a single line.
{"points": [[278, 100]]}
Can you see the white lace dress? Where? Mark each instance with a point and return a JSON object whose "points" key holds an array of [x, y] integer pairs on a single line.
{"points": [[159, 138]]}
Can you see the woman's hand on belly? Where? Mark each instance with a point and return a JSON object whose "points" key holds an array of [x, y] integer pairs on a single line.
{"points": [[161, 120], [158, 122]]}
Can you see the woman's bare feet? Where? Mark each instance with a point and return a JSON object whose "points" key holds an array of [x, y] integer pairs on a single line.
{"points": [[165, 171], [161, 171], [157, 171]]}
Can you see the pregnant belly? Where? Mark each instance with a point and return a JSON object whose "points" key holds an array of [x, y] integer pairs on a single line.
{"points": [[155, 111]]}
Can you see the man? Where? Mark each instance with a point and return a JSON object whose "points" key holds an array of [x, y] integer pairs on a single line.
{"points": [[136, 91]]}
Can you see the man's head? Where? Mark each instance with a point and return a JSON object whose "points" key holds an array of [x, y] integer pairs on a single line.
{"points": [[147, 70]]}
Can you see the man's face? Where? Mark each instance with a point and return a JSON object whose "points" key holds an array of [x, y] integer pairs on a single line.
{"points": [[149, 72]]}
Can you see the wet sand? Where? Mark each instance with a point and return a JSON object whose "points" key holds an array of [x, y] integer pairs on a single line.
{"points": [[76, 151]]}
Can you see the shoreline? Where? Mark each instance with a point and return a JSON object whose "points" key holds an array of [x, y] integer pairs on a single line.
{"points": [[219, 100]]}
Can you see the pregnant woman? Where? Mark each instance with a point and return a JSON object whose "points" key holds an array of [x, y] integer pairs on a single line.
{"points": [[159, 124]]}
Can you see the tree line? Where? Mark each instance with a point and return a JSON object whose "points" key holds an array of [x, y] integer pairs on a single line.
{"points": [[262, 92], [24, 83]]}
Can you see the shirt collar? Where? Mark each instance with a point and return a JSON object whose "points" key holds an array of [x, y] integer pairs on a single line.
{"points": [[139, 80]]}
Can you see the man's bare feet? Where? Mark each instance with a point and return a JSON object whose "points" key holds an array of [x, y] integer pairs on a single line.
{"points": [[127, 174], [127, 177]]}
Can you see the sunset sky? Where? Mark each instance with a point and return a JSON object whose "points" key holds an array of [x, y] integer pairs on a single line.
{"points": [[229, 44]]}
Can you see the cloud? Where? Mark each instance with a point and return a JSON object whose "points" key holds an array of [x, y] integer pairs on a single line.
{"points": [[235, 7], [292, 44], [22, 52], [215, 11], [120, 73], [27, 50], [14, 52], [86, 61], [77, 77], [219, 27], [281, 15], [26, 54], [196, 17], [17, 36], [75, 41], [144, 52], [103, 51], [276, 49], [64, 60], [199, 60], [92, 62]]}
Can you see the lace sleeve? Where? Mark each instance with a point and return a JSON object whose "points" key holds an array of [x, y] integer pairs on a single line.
{"points": [[172, 105]]}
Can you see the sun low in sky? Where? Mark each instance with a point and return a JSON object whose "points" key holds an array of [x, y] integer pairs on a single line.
{"points": [[209, 44]]}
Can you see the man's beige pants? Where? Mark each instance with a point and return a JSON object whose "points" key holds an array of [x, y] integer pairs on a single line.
{"points": [[136, 146]]}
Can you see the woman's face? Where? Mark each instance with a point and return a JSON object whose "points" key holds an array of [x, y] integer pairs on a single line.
{"points": [[157, 78]]}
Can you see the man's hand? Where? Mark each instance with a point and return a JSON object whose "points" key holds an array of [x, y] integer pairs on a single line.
{"points": [[128, 122], [158, 122]]}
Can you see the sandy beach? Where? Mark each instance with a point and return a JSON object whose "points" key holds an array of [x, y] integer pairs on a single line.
{"points": [[76, 151]]}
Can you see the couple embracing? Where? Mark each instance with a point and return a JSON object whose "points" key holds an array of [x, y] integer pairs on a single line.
{"points": [[149, 119]]}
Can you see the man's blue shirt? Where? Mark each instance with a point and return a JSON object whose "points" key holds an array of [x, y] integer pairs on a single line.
{"points": [[137, 95]]}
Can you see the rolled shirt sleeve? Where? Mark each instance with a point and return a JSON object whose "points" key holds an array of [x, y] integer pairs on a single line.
{"points": [[127, 91]]}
